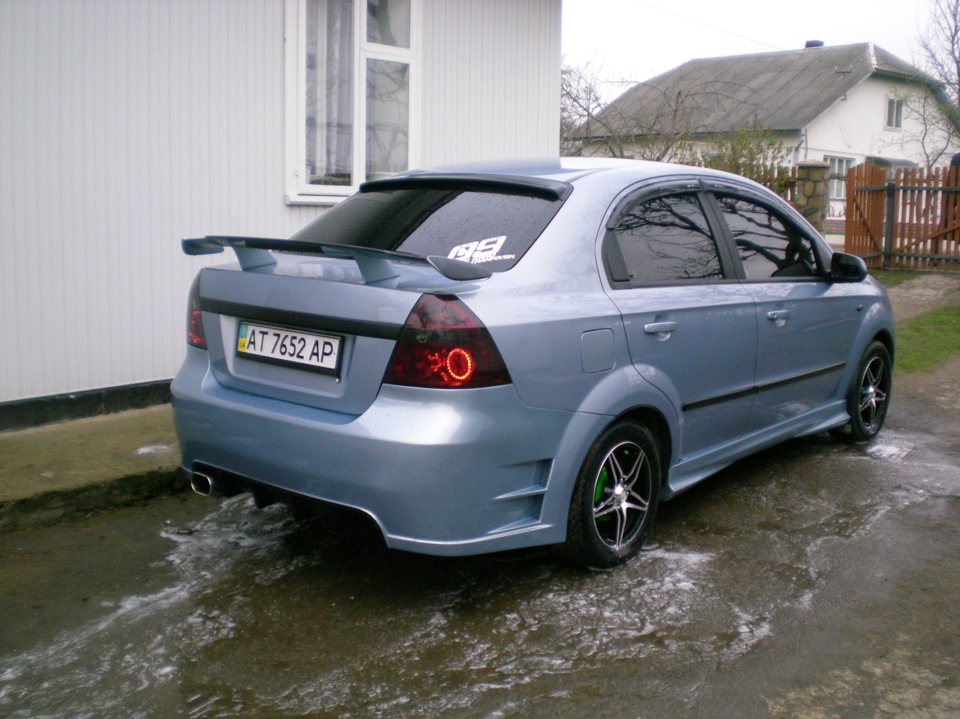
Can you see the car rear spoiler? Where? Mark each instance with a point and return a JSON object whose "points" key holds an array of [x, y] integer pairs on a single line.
{"points": [[536, 186], [375, 265]]}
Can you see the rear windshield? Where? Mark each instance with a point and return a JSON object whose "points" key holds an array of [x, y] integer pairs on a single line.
{"points": [[489, 228]]}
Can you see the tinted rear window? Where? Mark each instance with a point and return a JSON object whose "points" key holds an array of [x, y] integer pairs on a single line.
{"points": [[491, 228], [665, 239]]}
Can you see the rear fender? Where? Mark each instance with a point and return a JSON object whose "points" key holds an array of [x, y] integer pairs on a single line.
{"points": [[624, 390], [619, 393]]}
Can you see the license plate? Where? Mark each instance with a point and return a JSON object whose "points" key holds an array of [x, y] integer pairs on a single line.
{"points": [[289, 347]]}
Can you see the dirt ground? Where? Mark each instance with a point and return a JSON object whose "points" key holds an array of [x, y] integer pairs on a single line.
{"points": [[925, 293]]}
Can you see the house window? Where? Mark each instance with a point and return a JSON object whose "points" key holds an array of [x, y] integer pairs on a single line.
{"points": [[894, 113], [350, 72], [388, 117], [839, 166]]}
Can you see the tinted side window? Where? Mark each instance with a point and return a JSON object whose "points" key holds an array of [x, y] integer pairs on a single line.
{"points": [[666, 239], [490, 228], [768, 247]]}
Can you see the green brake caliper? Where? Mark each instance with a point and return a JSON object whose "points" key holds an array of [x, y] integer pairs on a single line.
{"points": [[598, 492]]}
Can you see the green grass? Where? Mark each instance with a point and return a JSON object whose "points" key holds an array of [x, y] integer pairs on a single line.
{"points": [[927, 341], [892, 278]]}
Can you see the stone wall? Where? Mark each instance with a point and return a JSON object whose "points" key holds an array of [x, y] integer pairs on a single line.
{"points": [[812, 194]]}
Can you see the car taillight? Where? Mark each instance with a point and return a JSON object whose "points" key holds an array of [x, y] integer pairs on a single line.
{"points": [[195, 336], [445, 345]]}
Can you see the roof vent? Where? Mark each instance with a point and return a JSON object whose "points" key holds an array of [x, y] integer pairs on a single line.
{"points": [[814, 43]]}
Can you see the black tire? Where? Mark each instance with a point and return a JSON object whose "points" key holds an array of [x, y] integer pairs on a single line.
{"points": [[615, 498], [869, 396]]}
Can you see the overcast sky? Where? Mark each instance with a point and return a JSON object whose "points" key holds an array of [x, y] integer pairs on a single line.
{"points": [[635, 40]]}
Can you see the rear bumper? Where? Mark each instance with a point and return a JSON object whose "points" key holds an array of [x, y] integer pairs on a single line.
{"points": [[441, 472]]}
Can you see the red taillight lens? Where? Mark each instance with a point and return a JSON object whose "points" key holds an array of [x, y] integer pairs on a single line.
{"points": [[195, 336], [444, 345]]}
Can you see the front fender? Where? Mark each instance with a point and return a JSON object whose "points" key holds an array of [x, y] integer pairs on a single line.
{"points": [[877, 323]]}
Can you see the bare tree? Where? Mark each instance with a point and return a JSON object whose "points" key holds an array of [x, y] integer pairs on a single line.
{"points": [[588, 126], [662, 129], [932, 104], [940, 47], [933, 128], [662, 124], [580, 103]]}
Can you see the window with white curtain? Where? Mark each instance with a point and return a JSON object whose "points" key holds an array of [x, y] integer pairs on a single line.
{"points": [[839, 166], [351, 71], [329, 61]]}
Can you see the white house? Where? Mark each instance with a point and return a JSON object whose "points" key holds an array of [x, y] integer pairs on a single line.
{"points": [[842, 105], [126, 125]]}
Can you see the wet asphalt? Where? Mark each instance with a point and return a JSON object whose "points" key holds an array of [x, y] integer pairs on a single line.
{"points": [[817, 579]]}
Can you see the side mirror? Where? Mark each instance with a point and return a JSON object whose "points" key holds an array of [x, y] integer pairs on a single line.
{"points": [[847, 268]]}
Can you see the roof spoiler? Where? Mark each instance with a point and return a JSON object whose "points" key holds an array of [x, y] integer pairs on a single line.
{"points": [[375, 265], [535, 186]]}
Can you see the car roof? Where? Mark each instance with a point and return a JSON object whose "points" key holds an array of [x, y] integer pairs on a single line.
{"points": [[605, 177], [575, 169]]}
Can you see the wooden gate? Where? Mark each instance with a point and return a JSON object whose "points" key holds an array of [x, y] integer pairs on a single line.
{"points": [[910, 221]]}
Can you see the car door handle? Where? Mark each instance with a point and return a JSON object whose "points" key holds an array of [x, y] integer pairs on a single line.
{"points": [[778, 315], [660, 328]]}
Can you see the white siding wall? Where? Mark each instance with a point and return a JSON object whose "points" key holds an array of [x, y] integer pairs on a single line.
{"points": [[491, 85], [126, 125]]}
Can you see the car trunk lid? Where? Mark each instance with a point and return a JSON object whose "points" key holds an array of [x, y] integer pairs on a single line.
{"points": [[310, 329]]}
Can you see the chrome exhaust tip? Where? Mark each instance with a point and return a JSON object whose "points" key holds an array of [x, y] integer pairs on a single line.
{"points": [[202, 484]]}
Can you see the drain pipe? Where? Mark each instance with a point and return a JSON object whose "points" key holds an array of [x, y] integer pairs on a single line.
{"points": [[801, 144]]}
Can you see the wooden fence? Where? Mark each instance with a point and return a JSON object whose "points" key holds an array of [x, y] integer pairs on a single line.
{"points": [[911, 220], [782, 180], [785, 182]]}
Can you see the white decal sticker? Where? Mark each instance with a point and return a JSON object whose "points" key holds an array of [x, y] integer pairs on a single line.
{"points": [[482, 251]]}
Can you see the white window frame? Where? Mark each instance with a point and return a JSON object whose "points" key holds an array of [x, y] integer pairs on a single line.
{"points": [[838, 181], [298, 190], [897, 104]]}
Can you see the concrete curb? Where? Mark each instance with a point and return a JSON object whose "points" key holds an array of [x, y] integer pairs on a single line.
{"points": [[51, 507], [72, 468]]}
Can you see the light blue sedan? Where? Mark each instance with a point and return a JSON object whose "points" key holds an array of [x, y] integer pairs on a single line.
{"points": [[487, 357]]}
